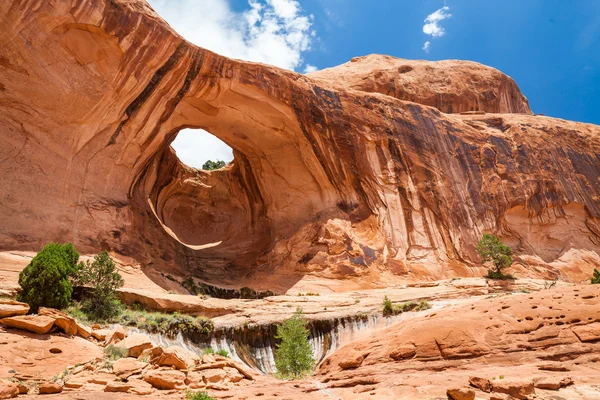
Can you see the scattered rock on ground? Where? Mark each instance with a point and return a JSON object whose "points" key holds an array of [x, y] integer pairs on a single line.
{"points": [[165, 379], [50, 388], [461, 394], [11, 308], [125, 367], [482, 384], [32, 323], [180, 358], [8, 390], [136, 344], [65, 322], [519, 389]]}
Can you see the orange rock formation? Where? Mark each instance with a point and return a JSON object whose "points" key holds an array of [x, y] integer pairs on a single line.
{"points": [[356, 171]]}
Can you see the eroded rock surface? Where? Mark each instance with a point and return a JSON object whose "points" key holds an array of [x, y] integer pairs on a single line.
{"points": [[335, 176], [513, 343]]}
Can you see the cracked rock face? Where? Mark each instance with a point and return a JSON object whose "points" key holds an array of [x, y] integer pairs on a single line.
{"points": [[363, 171]]}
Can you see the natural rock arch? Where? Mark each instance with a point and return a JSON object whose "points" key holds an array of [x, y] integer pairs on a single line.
{"points": [[335, 175]]}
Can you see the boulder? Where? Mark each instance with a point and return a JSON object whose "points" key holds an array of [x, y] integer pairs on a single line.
{"points": [[125, 367], [482, 384], [175, 356], [352, 361], [165, 379], [152, 354], [461, 394], [117, 386], [552, 383], [115, 335], [11, 308], [64, 322], [33, 323], [136, 344], [403, 351], [140, 387], [213, 375], [100, 334], [8, 390], [83, 331], [22, 388], [195, 380], [50, 388], [519, 389]]}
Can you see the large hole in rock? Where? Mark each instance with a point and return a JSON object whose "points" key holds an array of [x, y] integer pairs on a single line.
{"points": [[201, 209], [194, 147]]}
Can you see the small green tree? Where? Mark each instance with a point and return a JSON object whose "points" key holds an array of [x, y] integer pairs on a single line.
{"points": [[490, 248], [102, 276], [294, 355], [45, 282], [388, 307], [596, 277], [210, 165]]}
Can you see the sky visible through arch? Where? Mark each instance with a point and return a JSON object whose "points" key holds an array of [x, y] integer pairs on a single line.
{"points": [[550, 47]]}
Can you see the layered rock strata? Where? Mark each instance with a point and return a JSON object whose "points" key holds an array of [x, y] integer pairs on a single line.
{"points": [[360, 171]]}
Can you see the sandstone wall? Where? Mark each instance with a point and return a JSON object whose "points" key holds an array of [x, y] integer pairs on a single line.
{"points": [[332, 177]]}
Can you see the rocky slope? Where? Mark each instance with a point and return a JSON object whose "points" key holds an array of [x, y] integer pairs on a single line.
{"points": [[518, 344], [349, 173]]}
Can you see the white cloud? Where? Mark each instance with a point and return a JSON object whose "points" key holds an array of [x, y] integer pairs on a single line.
{"points": [[310, 68], [426, 46], [432, 26], [275, 32], [195, 146]]}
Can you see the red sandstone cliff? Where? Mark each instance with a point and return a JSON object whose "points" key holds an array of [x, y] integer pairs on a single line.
{"points": [[347, 172]]}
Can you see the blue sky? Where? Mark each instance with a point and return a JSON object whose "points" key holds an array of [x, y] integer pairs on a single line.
{"points": [[550, 47]]}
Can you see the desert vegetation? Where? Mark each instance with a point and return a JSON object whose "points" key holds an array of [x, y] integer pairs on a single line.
{"points": [[46, 281], [491, 249], [212, 165], [596, 277], [294, 355], [394, 309]]}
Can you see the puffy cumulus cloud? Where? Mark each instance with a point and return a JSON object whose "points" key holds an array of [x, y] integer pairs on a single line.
{"points": [[275, 32], [310, 68], [432, 25]]}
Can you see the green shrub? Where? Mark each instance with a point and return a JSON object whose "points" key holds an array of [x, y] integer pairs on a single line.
{"points": [[102, 276], [115, 352], [395, 309], [211, 165], [168, 324], [498, 275], [223, 353], [596, 277], [490, 248], [46, 280], [388, 307], [293, 356], [198, 396]]}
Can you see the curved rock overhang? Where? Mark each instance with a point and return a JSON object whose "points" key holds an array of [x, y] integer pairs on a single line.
{"points": [[331, 177]]}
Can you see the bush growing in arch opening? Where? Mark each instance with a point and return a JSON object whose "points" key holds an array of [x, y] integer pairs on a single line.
{"points": [[211, 165], [45, 282]]}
